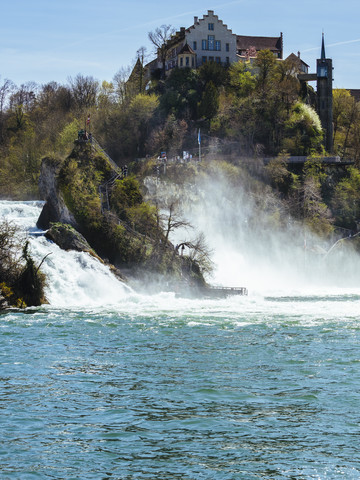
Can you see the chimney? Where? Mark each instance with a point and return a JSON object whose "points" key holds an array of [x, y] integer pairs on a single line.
{"points": [[299, 54], [210, 12], [195, 20]]}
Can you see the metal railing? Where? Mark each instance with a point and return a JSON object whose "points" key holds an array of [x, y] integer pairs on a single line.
{"points": [[97, 147]]}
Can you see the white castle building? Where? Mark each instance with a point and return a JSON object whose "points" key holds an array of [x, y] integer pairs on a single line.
{"points": [[210, 40]]}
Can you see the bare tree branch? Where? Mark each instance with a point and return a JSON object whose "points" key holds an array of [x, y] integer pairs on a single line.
{"points": [[160, 39]]}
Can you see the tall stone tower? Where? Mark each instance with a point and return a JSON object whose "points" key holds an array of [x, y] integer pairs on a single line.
{"points": [[324, 96]]}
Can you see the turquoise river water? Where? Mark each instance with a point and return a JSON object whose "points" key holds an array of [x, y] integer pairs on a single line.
{"points": [[156, 387]]}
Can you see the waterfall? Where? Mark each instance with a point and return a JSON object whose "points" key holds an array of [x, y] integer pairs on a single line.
{"points": [[73, 278]]}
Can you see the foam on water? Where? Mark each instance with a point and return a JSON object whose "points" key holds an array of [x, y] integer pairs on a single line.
{"points": [[76, 279], [73, 278]]}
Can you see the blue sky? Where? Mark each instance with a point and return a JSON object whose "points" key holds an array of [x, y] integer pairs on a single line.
{"points": [[45, 40]]}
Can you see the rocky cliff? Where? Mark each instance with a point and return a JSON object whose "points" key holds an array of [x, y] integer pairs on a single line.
{"points": [[123, 230], [55, 209]]}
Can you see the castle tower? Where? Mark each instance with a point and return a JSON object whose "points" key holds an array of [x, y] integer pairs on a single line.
{"points": [[324, 96]]}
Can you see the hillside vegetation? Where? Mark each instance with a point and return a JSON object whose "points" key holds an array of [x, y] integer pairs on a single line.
{"points": [[244, 113]]}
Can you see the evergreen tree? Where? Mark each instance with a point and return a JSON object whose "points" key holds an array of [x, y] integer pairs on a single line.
{"points": [[209, 104]]}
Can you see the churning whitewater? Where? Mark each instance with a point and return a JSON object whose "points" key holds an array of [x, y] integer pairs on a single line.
{"points": [[77, 279], [73, 278]]}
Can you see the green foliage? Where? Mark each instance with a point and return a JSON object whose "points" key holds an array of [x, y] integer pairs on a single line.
{"points": [[346, 117], [142, 107], [127, 202], [346, 200], [65, 140], [209, 104], [125, 194], [215, 73], [252, 111], [21, 281], [304, 131], [143, 218], [31, 282], [265, 64], [242, 80], [125, 130], [280, 177], [170, 137], [181, 94], [80, 178]]}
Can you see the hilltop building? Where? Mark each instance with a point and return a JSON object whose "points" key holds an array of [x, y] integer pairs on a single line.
{"points": [[210, 40], [247, 46]]}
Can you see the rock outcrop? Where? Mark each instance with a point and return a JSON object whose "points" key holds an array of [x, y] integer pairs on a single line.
{"points": [[55, 209], [123, 231], [67, 238]]}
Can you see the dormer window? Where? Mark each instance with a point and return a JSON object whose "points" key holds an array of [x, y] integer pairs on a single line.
{"points": [[211, 26]]}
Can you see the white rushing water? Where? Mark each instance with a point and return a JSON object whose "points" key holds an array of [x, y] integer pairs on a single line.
{"points": [[73, 278], [78, 280], [249, 249]]}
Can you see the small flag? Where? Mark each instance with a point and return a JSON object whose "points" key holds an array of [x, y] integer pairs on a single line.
{"points": [[199, 137]]}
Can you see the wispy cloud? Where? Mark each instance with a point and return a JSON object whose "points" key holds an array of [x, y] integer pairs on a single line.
{"points": [[158, 21], [347, 42], [151, 23]]}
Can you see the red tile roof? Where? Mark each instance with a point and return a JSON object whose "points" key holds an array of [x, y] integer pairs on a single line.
{"points": [[260, 43]]}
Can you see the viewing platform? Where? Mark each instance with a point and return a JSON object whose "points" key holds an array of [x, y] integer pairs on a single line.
{"points": [[297, 163], [210, 292]]}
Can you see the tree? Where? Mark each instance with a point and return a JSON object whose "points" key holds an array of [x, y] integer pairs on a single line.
{"points": [[84, 91], [5, 89], [214, 72], [21, 282], [241, 79], [24, 97], [265, 63], [169, 137], [280, 177], [106, 96], [303, 130], [288, 85], [346, 200], [199, 253], [342, 106], [120, 83], [209, 104], [141, 56], [140, 113], [10, 245], [173, 219], [317, 215], [181, 94], [160, 39]]}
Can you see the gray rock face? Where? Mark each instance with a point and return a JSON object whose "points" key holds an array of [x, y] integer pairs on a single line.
{"points": [[54, 209], [3, 303], [67, 238]]}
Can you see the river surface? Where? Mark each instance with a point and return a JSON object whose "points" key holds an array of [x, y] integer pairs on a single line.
{"points": [[105, 383]]}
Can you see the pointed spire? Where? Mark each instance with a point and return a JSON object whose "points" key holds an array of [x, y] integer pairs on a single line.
{"points": [[323, 56]]}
